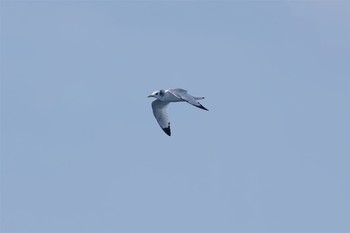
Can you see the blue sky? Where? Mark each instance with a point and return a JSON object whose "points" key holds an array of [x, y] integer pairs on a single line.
{"points": [[82, 152]]}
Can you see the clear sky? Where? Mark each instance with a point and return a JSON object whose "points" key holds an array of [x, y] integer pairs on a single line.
{"points": [[82, 152]]}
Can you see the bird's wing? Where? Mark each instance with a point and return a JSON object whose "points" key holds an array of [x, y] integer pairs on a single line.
{"points": [[182, 94], [179, 91], [159, 112]]}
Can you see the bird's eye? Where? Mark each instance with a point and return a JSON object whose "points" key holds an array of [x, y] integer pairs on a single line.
{"points": [[157, 93]]}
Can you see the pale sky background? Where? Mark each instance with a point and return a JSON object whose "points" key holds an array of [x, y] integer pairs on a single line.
{"points": [[82, 152]]}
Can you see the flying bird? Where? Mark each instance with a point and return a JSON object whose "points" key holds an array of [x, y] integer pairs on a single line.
{"points": [[164, 97]]}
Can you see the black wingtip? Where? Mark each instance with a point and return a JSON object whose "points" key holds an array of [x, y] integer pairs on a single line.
{"points": [[167, 130], [202, 107]]}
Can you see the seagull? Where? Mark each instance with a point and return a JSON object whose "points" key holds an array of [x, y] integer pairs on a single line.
{"points": [[164, 97]]}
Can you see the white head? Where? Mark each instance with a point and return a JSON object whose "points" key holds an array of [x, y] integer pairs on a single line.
{"points": [[157, 94]]}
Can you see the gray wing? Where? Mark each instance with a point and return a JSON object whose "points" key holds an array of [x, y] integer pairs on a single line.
{"points": [[178, 91], [159, 112], [182, 94]]}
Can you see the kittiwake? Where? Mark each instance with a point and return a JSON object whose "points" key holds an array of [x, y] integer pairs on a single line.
{"points": [[164, 97]]}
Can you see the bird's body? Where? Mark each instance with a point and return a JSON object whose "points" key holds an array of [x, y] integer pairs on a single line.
{"points": [[168, 96], [164, 97]]}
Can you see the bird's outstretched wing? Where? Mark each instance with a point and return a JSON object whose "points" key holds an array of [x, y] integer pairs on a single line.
{"points": [[159, 112], [182, 94]]}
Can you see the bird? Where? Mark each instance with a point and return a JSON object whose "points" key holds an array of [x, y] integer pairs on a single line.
{"points": [[164, 97]]}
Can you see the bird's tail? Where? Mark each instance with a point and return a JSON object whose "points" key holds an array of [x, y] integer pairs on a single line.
{"points": [[198, 98]]}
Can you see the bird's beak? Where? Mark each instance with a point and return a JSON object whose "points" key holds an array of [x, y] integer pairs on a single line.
{"points": [[150, 96]]}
